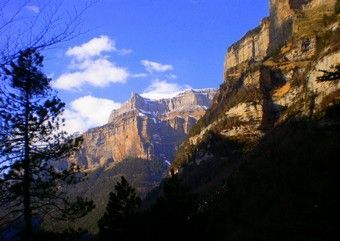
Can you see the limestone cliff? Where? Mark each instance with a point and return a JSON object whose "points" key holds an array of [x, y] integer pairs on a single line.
{"points": [[270, 76], [138, 142], [144, 128]]}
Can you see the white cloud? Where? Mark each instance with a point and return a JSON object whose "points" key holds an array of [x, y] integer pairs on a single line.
{"points": [[124, 51], [89, 66], [152, 66], [95, 47], [160, 89], [139, 75], [172, 76], [35, 9], [87, 112], [99, 73]]}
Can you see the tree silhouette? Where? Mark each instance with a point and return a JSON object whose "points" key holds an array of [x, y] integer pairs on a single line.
{"points": [[121, 213], [31, 144], [52, 24], [176, 205]]}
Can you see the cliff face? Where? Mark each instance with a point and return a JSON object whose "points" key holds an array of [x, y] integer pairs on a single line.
{"points": [[138, 142], [253, 46], [285, 20], [270, 76], [145, 129]]}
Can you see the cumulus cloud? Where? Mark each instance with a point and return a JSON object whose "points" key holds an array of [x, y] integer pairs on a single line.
{"points": [[160, 89], [139, 75], [124, 51], [33, 8], [152, 66], [95, 47], [89, 66], [87, 112], [98, 73]]}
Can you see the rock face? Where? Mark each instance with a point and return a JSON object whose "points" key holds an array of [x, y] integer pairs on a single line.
{"points": [[253, 46], [138, 142], [285, 18], [144, 128], [270, 76]]}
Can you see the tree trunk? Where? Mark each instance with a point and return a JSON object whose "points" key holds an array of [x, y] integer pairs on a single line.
{"points": [[27, 177]]}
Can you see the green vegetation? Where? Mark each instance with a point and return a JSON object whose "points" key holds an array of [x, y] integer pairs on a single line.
{"points": [[230, 96], [212, 143], [310, 22], [328, 37], [285, 189], [323, 41], [171, 217], [198, 127], [337, 7], [120, 218], [30, 142], [143, 175]]}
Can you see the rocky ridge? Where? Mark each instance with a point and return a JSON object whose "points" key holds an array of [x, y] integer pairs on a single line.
{"points": [[270, 76], [138, 142], [144, 128]]}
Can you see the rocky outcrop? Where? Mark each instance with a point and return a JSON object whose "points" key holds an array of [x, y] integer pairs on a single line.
{"points": [[252, 47], [285, 18], [138, 142], [270, 76], [144, 128], [184, 102]]}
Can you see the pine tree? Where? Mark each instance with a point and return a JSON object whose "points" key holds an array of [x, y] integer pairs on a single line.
{"points": [[31, 144], [121, 212], [176, 205]]}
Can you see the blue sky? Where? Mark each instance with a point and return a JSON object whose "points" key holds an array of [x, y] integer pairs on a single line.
{"points": [[152, 47]]}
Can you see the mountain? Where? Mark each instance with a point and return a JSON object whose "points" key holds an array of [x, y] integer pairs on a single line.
{"points": [[262, 162], [144, 128], [264, 157], [138, 142], [270, 76]]}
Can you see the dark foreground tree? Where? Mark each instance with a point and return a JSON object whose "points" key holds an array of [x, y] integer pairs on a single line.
{"points": [[176, 206], [120, 217], [31, 144]]}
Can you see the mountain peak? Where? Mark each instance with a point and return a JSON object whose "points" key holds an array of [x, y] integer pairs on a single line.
{"points": [[186, 100], [135, 95], [144, 128]]}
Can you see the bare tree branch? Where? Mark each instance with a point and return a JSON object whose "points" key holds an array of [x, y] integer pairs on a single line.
{"points": [[52, 25]]}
